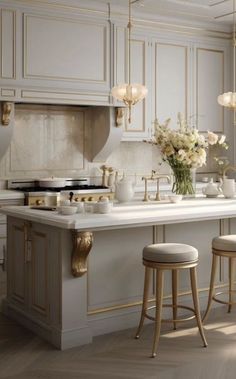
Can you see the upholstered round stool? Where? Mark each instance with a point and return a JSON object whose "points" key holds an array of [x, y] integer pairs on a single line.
{"points": [[169, 256], [223, 246]]}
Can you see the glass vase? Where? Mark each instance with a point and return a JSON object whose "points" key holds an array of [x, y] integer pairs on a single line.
{"points": [[184, 182]]}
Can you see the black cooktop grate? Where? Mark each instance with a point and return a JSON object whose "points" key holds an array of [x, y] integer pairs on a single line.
{"points": [[59, 189]]}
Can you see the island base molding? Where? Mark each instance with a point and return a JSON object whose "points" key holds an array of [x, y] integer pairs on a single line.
{"points": [[61, 339]]}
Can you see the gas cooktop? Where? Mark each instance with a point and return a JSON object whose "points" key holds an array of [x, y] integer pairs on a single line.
{"points": [[85, 187]]}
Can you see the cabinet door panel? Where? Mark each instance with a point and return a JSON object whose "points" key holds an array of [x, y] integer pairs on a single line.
{"points": [[65, 49], [140, 123], [39, 273], [209, 84], [120, 280], [171, 70], [7, 46], [17, 274]]}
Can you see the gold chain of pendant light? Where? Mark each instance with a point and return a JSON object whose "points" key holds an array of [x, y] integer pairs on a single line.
{"points": [[129, 93]]}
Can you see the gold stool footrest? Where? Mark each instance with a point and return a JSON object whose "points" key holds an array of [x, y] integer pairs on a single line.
{"points": [[172, 320], [222, 301]]}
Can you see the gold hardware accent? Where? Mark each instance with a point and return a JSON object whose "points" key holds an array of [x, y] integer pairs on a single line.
{"points": [[119, 116], [157, 177], [6, 113], [82, 244], [39, 202]]}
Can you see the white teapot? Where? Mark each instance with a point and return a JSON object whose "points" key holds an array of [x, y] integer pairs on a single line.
{"points": [[124, 189], [212, 189]]}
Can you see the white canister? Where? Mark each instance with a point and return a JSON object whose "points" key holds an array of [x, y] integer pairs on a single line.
{"points": [[228, 188], [103, 207]]}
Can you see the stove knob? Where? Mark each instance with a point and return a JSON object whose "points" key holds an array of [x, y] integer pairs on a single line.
{"points": [[91, 198], [83, 199], [76, 199], [39, 202]]}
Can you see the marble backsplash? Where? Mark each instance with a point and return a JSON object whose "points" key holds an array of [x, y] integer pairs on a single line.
{"points": [[56, 141]]}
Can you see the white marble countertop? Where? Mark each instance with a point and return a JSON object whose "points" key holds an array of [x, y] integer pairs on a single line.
{"points": [[133, 214], [11, 194]]}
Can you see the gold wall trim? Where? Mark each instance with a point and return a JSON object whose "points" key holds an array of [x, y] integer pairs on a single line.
{"points": [[138, 303], [26, 75]]}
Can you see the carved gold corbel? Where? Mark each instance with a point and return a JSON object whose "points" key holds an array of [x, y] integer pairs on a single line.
{"points": [[82, 244], [119, 116], [6, 112]]}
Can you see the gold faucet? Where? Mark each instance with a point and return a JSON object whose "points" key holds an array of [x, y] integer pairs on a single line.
{"points": [[154, 176]]}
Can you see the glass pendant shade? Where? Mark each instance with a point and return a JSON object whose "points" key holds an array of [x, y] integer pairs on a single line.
{"points": [[130, 94], [227, 99]]}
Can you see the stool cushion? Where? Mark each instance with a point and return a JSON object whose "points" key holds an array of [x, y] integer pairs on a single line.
{"points": [[170, 253], [225, 243]]}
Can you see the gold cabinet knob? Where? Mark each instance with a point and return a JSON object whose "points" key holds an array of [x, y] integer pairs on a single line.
{"points": [[39, 202]]}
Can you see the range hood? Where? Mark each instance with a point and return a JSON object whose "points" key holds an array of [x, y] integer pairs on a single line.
{"points": [[106, 129]]}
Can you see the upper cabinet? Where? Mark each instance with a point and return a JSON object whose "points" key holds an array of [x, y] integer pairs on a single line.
{"points": [[139, 128], [171, 76], [188, 76], [211, 78], [54, 57], [7, 51]]}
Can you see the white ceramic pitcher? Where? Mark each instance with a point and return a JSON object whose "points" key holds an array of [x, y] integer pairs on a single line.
{"points": [[228, 187], [124, 189]]}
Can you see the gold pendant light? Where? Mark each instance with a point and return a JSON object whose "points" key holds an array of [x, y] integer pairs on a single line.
{"points": [[129, 93], [228, 99]]}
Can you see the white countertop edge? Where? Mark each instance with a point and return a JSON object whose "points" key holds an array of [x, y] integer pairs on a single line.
{"points": [[132, 215]]}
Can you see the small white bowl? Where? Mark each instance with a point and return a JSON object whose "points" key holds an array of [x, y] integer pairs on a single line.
{"points": [[175, 198], [67, 210]]}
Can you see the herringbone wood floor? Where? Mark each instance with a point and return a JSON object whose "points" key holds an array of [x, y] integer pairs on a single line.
{"points": [[181, 356]]}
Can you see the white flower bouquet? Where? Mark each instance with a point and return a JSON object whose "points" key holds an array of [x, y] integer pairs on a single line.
{"points": [[183, 149]]}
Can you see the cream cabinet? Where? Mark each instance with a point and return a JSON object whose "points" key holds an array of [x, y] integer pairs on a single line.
{"points": [[3, 244], [7, 53], [211, 78], [188, 76], [171, 76], [33, 271], [140, 125], [54, 57]]}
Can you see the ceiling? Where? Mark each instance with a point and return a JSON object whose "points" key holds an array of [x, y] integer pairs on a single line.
{"points": [[203, 10]]}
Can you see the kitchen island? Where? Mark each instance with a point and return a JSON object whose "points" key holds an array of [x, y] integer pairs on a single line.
{"points": [[73, 277]]}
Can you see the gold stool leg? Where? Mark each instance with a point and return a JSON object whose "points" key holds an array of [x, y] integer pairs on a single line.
{"points": [[148, 271], [212, 282], [231, 281], [174, 295], [159, 299], [193, 277]]}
